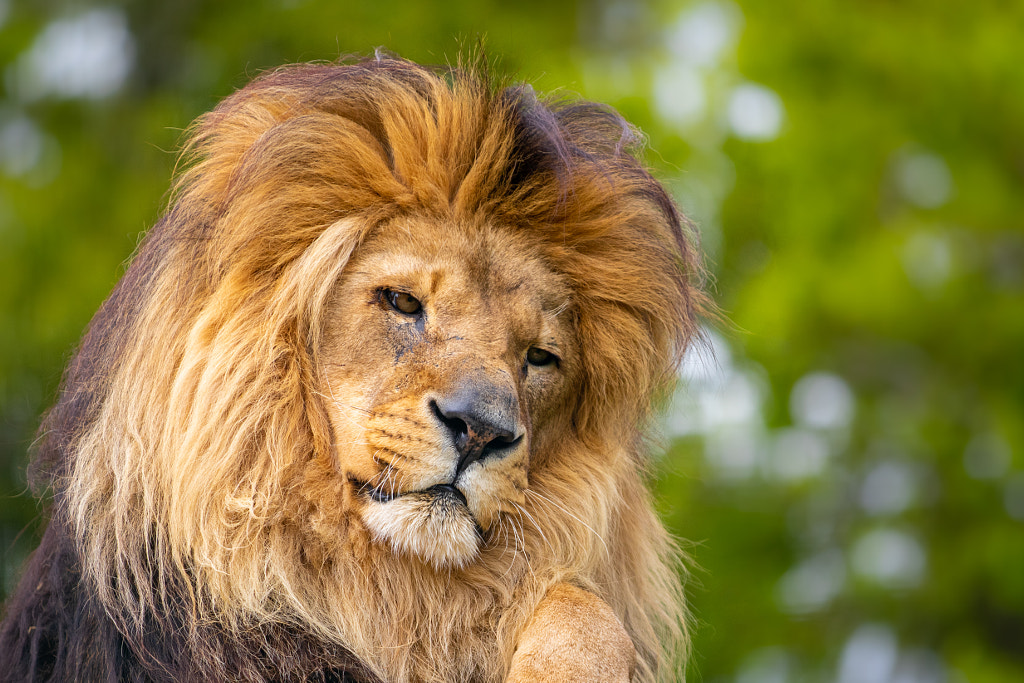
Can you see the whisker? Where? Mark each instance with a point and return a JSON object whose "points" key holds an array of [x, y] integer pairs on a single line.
{"points": [[536, 525], [501, 527], [526, 555], [338, 403], [551, 502], [354, 442]]}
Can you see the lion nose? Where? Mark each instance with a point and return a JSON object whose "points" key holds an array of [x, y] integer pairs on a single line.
{"points": [[482, 423]]}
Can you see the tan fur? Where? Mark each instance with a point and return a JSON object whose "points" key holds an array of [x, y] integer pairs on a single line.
{"points": [[261, 383], [573, 637]]}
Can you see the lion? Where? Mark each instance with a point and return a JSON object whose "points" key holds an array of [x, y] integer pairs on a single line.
{"points": [[371, 401]]}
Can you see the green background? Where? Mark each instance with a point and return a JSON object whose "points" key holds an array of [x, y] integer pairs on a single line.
{"points": [[845, 454]]}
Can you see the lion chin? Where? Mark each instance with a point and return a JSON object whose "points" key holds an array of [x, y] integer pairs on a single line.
{"points": [[437, 527], [370, 402]]}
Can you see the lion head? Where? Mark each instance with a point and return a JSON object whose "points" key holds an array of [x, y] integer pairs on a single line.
{"points": [[381, 376], [448, 358]]}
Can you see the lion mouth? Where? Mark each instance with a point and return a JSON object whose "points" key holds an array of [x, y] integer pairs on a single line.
{"points": [[442, 493], [448, 491]]}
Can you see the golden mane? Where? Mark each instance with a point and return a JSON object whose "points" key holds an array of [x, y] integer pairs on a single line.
{"points": [[189, 446]]}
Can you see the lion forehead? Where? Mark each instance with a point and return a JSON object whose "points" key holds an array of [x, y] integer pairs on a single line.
{"points": [[465, 272]]}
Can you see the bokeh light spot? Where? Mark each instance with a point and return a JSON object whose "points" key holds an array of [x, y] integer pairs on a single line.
{"points": [[797, 454], [812, 584], [869, 655], [927, 260], [822, 400], [704, 32], [923, 179], [733, 454], [754, 113], [889, 557], [88, 56], [1013, 496], [21, 145], [679, 97], [889, 488], [767, 665]]}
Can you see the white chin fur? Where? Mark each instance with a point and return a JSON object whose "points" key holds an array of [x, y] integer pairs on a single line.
{"points": [[439, 531]]}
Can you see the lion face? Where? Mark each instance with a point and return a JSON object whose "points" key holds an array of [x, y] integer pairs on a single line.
{"points": [[449, 353]]}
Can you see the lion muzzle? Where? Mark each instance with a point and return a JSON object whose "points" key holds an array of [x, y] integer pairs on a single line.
{"points": [[482, 420]]}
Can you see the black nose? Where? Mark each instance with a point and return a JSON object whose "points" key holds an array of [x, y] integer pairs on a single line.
{"points": [[483, 422]]}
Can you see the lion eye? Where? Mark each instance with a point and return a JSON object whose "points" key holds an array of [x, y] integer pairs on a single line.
{"points": [[538, 356], [403, 302]]}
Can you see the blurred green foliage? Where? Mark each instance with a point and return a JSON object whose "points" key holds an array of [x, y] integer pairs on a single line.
{"points": [[848, 463]]}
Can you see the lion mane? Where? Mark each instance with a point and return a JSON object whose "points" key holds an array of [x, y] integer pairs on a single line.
{"points": [[203, 524]]}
